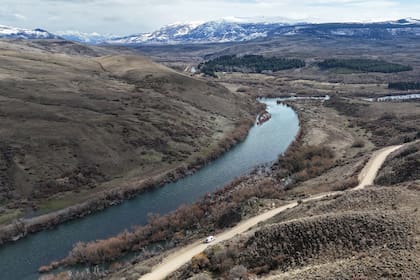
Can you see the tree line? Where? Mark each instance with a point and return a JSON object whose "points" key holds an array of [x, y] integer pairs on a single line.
{"points": [[404, 85], [248, 64], [364, 65]]}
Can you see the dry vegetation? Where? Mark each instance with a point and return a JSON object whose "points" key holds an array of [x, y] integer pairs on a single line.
{"points": [[294, 244], [75, 125], [403, 166], [303, 163], [315, 237], [368, 234], [389, 123], [214, 212], [239, 200]]}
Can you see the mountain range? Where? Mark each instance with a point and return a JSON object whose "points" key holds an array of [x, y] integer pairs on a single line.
{"points": [[228, 31], [21, 33]]}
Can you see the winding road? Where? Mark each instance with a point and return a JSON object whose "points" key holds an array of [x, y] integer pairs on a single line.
{"points": [[182, 256]]}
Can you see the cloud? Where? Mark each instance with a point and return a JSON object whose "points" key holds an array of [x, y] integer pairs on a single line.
{"points": [[132, 16], [19, 16], [10, 15]]}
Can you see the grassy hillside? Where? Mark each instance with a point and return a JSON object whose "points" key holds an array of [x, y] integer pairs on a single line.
{"points": [[367, 234], [75, 125], [342, 237], [403, 166]]}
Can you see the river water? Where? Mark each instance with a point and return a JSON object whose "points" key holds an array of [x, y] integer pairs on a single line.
{"points": [[20, 260]]}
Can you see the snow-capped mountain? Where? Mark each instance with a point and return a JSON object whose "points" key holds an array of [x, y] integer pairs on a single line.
{"points": [[167, 34], [20, 33], [239, 30], [406, 21], [213, 31], [230, 30], [85, 38]]}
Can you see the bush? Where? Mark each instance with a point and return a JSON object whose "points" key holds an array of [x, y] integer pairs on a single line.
{"points": [[348, 184], [199, 262], [201, 276], [238, 272], [218, 210], [305, 162], [142, 269], [358, 143], [241, 89]]}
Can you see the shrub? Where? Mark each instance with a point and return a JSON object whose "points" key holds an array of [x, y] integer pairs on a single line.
{"points": [[305, 162], [199, 262], [142, 269], [348, 184], [241, 89], [358, 143], [201, 276], [238, 272]]}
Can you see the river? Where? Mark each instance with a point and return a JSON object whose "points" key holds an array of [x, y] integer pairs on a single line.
{"points": [[20, 260], [403, 97]]}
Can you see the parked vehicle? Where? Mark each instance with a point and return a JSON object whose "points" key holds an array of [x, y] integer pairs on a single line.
{"points": [[210, 239]]}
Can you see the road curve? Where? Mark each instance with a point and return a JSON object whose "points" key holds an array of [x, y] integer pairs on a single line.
{"points": [[175, 260]]}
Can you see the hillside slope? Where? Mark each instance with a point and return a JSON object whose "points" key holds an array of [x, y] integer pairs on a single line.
{"points": [[361, 234], [73, 125], [365, 234], [388, 250]]}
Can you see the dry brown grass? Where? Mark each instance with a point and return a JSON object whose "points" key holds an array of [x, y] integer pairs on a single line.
{"points": [[355, 233], [389, 123], [403, 166], [74, 126]]}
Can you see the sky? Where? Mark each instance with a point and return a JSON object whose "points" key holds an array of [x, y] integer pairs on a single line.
{"points": [[123, 17]]}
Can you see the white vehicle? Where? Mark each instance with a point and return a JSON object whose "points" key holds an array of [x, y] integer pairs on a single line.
{"points": [[210, 239]]}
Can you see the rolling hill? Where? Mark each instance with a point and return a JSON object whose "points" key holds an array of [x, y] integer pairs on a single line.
{"points": [[75, 125]]}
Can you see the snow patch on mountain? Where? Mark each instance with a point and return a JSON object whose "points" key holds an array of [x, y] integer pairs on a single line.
{"points": [[406, 21], [245, 29], [86, 38], [231, 29], [197, 32], [21, 33]]}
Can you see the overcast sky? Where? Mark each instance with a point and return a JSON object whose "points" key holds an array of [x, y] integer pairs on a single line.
{"points": [[123, 17]]}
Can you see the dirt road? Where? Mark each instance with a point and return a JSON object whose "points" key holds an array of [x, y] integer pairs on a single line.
{"points": [[182, 256], [369, 172]]}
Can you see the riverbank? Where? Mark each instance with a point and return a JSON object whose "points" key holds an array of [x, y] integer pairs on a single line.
{"points": [[22, 227], [262, 145], [211, 213], [314, 115], [245, 197]]}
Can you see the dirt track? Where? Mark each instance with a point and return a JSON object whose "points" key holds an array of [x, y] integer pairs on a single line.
{"points": [[182, 256]]}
